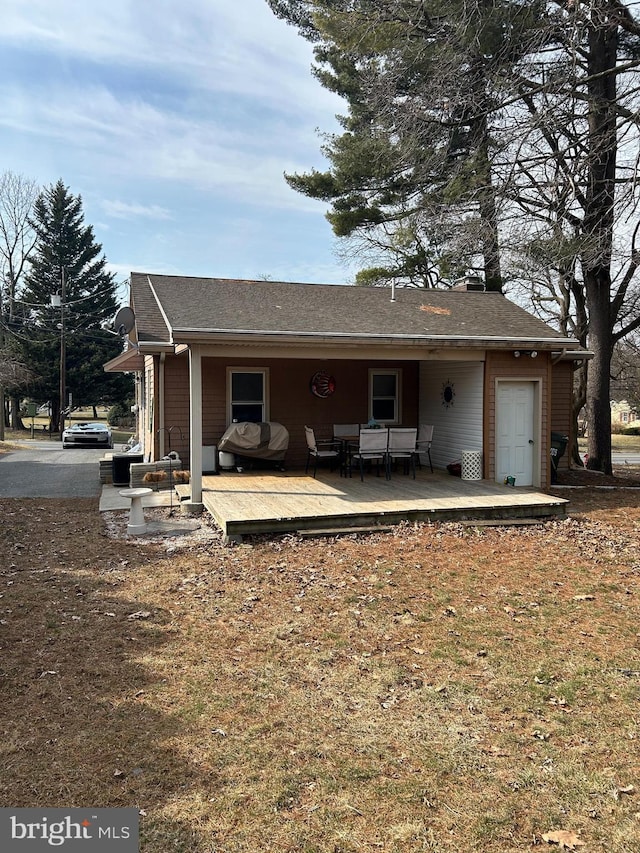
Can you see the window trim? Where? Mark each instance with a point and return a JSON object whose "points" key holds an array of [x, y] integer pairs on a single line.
{"points": [[264, 371], [397, 372]]}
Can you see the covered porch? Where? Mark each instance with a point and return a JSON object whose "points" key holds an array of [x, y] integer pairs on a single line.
{"points": [[263, 501]]}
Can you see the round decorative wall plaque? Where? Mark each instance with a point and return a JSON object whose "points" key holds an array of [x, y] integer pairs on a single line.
{"points": [[448, 393], [322, 384]]}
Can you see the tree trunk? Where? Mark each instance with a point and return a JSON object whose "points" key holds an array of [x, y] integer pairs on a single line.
{"points": [[54, 423], [598, 227], [16, 420], [599, 376], [579, 400]]}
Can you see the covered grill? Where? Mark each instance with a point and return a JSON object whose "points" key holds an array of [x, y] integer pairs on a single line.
{"points": [[267, 441]]}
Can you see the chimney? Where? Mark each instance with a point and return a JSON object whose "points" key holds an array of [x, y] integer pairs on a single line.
{"points": [[469, 283]]}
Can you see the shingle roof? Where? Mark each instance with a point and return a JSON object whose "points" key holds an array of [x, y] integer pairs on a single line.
{"points": [[178, 309]]}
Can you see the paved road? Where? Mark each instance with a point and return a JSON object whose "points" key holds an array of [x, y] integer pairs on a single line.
{"points": [[629, 458], [42, 469]]}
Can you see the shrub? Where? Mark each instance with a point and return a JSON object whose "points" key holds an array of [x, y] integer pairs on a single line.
{"points": [[118, 414]]}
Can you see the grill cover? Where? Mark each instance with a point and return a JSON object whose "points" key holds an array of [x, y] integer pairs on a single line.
{"points": [[267, 440]]}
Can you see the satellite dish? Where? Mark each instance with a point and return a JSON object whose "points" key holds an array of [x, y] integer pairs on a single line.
{"points": [[124, 321]]}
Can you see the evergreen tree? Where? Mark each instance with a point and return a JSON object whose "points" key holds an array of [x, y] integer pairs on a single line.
{"points": [[70, 296], [510, 129], [420, 81]]}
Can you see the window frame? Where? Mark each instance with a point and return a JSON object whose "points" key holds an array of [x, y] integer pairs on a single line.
{"points": [[397, 400], [264, 372]]}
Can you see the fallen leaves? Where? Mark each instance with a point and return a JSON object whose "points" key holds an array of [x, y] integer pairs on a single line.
{"points": [[140, 614], [565, 839], [234, 684], [628, 789], [434, 309]]}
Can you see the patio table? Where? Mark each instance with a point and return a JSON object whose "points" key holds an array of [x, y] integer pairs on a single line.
{"points": [[347, 443]]}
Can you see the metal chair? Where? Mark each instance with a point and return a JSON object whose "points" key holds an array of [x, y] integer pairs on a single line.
{"points": [[323, 451], [402, 445], [372, 447], [423, 444]]}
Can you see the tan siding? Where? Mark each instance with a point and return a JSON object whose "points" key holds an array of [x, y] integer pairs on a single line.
{"points": [[562, 403], [176, 414], [292, 404], [503, 365]]}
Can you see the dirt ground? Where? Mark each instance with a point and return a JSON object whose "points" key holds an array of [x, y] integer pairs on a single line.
{"points": [[437, 688]]}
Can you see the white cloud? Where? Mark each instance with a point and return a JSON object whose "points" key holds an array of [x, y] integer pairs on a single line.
{"points": [[135, 141], [162, 112], [210, 45], [126, 210]]}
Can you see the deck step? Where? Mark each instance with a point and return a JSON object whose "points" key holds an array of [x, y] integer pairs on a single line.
{"points": [[343, 531], [506, 522]]}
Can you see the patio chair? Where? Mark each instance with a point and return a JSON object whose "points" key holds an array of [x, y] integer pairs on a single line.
{"points": [[402, 445], [325, 450], [423, 444], [372, 447]]}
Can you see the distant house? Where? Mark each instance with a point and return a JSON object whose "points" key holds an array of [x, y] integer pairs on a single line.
{"points": [[622, 414], [488, 375]]}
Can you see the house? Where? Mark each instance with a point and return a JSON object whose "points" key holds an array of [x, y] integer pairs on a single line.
{"points": [[623, 414], [488, 375]]}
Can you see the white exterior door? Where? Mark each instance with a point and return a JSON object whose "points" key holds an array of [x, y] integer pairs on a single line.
{"points": [[515, 432]]}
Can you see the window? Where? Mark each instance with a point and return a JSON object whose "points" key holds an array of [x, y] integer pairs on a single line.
{"points": [[247, 395], [384, 396]]}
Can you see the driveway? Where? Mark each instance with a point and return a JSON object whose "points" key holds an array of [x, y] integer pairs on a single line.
{"points": [[42, 469]]}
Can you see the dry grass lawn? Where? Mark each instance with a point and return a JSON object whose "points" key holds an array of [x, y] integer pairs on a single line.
{"points": [[438, 688]]}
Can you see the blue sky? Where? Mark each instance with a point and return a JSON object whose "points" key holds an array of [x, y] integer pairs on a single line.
{"points": [[175, 122]]}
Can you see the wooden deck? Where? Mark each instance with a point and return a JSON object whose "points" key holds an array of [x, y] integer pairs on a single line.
{"points": [[279, 502]]}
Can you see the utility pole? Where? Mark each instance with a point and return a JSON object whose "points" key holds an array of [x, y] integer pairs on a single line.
{"points": [[63, 355]]}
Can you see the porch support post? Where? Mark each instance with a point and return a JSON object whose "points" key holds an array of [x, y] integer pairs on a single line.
{"points": [[160, 430], [195, 413]]}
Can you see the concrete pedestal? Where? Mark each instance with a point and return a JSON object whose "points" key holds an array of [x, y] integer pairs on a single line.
{"points": [[137, 524]]}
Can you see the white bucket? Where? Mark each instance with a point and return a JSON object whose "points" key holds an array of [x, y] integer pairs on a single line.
{"points": [[227, 460]]}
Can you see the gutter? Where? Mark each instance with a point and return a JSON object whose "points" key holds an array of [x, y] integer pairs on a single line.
{"points": [[572, 355], [263, 336]]}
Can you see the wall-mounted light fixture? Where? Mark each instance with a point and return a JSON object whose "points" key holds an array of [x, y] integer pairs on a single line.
{"points": [[532, 353]]}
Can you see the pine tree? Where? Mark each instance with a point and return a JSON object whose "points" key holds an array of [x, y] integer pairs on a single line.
{"points": [[423, 84], [70, 295], [511, 129]]}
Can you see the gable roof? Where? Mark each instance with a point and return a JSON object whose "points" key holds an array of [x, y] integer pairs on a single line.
{"points": [[174, 310]]}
